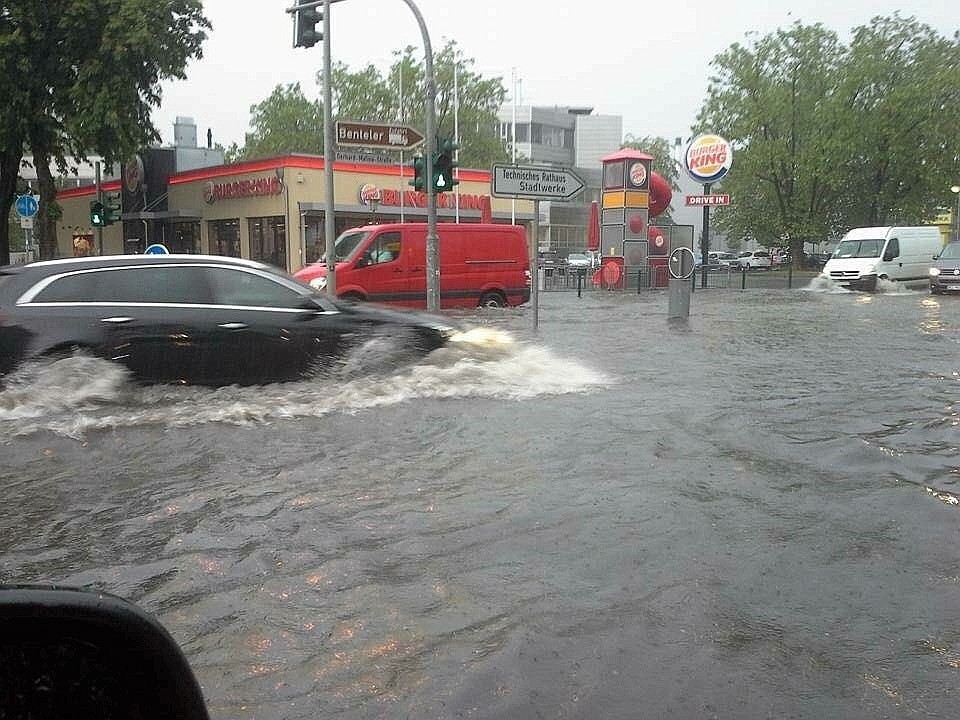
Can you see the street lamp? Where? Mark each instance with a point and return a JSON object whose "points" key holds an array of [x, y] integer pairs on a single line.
{"points": [[955, 189]]}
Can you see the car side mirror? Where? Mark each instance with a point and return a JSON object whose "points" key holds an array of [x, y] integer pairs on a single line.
{"points": [[77, 653]]}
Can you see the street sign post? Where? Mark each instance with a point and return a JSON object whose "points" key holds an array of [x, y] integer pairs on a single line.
{"points": [[535, 182], [377, 135], [27, 205]]}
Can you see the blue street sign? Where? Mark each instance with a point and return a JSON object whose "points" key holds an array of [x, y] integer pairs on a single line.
{"points": [[27, 205], [156, 249]]}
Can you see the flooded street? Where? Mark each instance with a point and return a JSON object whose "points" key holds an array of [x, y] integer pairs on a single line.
{"points": [[752, 516]]}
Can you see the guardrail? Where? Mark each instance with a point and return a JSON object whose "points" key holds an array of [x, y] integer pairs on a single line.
{"points": [[643, 277]]}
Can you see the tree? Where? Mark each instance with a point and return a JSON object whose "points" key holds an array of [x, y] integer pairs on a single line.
{"points": [[288, 122], [828, 137], [664, 163], [774, 102], [92, 94], [283, 123]]}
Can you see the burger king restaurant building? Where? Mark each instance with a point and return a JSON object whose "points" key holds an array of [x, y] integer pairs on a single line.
{"points": [[270, 210]]}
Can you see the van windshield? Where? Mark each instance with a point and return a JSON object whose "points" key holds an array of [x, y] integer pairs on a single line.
{"points": [[346, 244], [858, 249]]}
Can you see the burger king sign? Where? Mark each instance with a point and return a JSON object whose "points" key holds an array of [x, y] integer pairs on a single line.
{"points": [[709, 158]]}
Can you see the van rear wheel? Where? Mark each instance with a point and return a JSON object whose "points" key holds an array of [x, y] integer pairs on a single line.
{"points": [[493, 299]]}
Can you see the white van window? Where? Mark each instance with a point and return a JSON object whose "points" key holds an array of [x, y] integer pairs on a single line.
{"points": [[858, 249], [893, 249], [951, 251]]}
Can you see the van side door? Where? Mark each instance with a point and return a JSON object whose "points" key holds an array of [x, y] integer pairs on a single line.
{"points": [[382, 269]]}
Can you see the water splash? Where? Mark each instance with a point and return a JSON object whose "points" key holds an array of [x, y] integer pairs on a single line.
{"points": [[823, 284], [74, 396]]}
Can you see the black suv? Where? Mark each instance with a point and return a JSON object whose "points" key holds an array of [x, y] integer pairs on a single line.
{"points": [[196, 319]]}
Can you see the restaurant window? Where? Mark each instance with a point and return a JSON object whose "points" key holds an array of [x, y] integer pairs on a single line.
{"points": [[225, 237], [268, 241], [185, 240]]}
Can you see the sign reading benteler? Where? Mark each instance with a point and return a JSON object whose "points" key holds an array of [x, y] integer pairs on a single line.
{"points": [[377, 135]]}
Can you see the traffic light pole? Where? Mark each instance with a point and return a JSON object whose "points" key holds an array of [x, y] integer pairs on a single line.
{"points": [[329, 226], [430, 146], [96, 166]]}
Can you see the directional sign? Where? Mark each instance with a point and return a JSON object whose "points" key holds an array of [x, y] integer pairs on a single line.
{"points": [[377, 135], [534, 182], [156, 249], [702, 200], [27, 205]]}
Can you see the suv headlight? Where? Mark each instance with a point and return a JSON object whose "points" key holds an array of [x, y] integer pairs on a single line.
{"points": [[319, 282], [934, 272]]}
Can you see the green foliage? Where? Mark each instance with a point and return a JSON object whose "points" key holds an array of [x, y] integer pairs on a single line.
{"points": [[828, 137], [283, 123], [81, 77], [288, 122]]}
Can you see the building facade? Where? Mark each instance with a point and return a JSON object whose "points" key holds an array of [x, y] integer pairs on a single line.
{"points": [[563, 136], [270, 210]]}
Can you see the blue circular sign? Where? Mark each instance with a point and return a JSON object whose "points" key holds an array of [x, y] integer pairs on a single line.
{"points": [[27, 206], [156, 249]]}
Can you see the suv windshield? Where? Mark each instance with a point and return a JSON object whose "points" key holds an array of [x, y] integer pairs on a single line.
{"points": [[858, 249], [951, 252]]}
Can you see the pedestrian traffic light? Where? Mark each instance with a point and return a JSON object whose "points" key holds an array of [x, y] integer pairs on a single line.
{"points": [[305, 21], [419, 174], [97, 216], [444, 165]]}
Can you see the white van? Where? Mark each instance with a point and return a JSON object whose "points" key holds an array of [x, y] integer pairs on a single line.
{"points": [[901, 254]]}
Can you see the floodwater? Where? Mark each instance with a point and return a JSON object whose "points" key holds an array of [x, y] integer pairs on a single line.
{"points": [[752, 515]]}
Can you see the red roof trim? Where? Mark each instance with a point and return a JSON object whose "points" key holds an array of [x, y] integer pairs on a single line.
{"points": [[83, 190], [307, 162], [627, 154]]}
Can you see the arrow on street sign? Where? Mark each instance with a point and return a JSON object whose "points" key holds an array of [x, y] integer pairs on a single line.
{"points": [[535, 182], [377, 135]]}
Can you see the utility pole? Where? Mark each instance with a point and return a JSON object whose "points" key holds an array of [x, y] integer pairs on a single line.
{"points": [[96, 166]]}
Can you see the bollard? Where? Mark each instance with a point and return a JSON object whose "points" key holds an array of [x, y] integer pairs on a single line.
{"points": [[743, 278], [790, 276], [693, 280], [580, 274], [639, 278]]}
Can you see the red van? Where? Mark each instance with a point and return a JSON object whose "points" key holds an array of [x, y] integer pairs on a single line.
{"points": [[484, 265]]}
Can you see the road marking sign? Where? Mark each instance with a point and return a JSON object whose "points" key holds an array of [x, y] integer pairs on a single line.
{"points": [[535, 182]]}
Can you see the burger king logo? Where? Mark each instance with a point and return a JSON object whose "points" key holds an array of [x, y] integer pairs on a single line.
{"points": [[369, 193], [209, 194], [638, 174], [709, 158]]}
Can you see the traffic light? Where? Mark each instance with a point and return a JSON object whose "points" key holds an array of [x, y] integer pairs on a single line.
{"points": [[419, 174], [306, 20], [111, 209], [443, 166], [97, 215]]}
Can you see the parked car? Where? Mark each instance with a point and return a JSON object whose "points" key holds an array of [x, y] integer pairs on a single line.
{"points": [[194, 319], [579, 261], [753, 259], [721, 259]]}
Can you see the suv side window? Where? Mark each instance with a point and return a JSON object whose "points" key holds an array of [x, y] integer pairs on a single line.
{"points": [[138, 285], [233, 286]]}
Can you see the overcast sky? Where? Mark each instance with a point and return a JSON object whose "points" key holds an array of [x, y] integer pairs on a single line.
{"points": [[648, 64]]}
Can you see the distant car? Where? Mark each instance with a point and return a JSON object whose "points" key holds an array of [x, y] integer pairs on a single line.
{"points": [[195, 319], [721, 258], [753, 259], [945, 271], [579, 261]]}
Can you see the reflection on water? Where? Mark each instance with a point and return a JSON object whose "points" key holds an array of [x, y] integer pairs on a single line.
{"points": [[756, 517]]}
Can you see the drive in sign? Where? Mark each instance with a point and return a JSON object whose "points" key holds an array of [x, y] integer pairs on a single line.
{"points": [[701, 200], [536, 183]]}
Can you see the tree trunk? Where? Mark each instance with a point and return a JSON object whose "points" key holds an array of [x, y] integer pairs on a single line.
{"points": [[9, 172], [49, 212]]}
